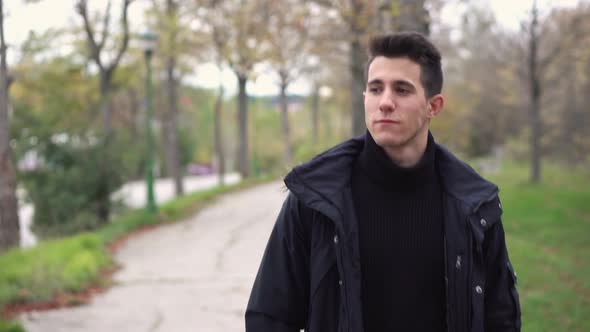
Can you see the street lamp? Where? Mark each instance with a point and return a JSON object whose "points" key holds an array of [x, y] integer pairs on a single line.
{"points": [[148, 42]]}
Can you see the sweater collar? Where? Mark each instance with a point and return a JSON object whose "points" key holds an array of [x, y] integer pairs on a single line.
{"points": [[376, 164]]}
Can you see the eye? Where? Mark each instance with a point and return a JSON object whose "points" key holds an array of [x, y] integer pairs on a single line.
{"points": [[402, 91], [375, 90]]}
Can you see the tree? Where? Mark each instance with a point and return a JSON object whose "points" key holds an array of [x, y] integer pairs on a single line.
{"points": [[564, 116], [52, 124], [106, 71], [9, 222], [174, 45], [357, 16], [218, 136], [537, 67], [97, 52], [315, 113], [219, 41], [288, 54], [170, 118], [485, 60], [534, 95], [327, 55], [360, 18], [241, 24]]}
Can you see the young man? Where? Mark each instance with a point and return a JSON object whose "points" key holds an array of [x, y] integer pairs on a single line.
{"points": [[388, 232]]}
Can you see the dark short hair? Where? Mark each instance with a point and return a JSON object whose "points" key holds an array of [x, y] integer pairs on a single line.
{"points": [[417, 48]]}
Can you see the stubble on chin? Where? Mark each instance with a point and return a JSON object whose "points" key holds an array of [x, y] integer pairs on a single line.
{"points": [[388, 140]]}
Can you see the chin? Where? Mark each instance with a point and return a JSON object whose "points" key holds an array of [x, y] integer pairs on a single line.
{"points": [[385, 139]]}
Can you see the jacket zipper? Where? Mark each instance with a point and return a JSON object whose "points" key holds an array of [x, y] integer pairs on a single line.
{"points": [[345, 291], [446, 284], [469, 282], [340, 264]]}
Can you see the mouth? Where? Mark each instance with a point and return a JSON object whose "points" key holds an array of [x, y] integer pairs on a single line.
{"points": [[387, 121]]}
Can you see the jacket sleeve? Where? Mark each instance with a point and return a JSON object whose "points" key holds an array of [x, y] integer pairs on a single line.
{"points": [[279, 297], [502, 307]]}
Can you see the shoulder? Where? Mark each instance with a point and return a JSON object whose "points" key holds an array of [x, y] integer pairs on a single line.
{"points": [[461, 181], [295, 216], [325, 174], [342, 152]]}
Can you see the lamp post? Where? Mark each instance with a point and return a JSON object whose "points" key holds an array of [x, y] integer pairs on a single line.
{"points": [[149, 44]]}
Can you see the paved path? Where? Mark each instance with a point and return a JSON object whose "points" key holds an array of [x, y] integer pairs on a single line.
{"points": [[194, 275], [132, 194]]}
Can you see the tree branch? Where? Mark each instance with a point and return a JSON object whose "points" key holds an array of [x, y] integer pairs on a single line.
{"points": [[572, 33], [105, 27], [125, 41], [82, 8]]}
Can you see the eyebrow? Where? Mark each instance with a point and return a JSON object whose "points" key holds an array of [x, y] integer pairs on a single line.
{"points": [[396, 82]]}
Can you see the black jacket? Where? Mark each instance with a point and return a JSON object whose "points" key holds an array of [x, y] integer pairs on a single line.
{"points": [[310, 275]]}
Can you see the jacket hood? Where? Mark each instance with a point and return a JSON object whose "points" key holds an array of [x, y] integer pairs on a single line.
{"points": [[322, 183]]}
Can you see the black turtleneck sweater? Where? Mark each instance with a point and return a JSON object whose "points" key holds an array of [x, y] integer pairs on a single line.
{"points": [[400, 219]]}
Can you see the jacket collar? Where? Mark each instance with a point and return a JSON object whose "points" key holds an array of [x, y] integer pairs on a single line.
{"points": [[323, 182], [460, 181]]}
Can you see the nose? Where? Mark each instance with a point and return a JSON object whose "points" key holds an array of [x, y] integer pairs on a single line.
{"points": [[386, 103]]}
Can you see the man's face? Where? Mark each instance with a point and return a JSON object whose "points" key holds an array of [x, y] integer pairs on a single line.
{"points": [[397, 111]]}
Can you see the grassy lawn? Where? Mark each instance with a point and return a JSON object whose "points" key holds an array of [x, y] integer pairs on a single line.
{"points": [[548, 237]]}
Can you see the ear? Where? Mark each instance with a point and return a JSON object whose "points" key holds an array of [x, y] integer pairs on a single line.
{"points": [[364, 96], [435, 105]]}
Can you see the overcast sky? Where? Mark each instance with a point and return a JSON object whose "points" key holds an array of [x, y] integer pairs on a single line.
{"points": [[46, 14]]}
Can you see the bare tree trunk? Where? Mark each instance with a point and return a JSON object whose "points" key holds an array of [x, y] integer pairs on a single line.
{"points": [[535, 96], [357, 60], [104, 190], [96, 46], [219, 136], [9, 223], [171, 129], [315, 110], [288, 152], [134, 106], [243, 152], [585, 115], [105, 103], [171, 122]]}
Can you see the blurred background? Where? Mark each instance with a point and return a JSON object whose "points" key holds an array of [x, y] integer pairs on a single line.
{"points": [[107, 107]]}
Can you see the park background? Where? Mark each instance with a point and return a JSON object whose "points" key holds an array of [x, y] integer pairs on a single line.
{"points": [[252, 88]]}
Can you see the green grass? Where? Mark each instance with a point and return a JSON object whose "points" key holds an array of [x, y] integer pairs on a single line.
{"points": [[548, 237], [10, 326], [59, 265], [74, 263]]}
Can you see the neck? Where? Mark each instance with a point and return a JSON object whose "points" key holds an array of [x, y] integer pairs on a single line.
{"points": [[408, 155], [377, 165]]}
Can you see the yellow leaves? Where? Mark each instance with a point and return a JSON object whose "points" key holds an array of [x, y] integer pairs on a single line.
{"points": [[394, 8]]}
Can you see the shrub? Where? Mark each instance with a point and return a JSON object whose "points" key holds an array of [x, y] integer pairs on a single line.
{"points": [[67, 191]]}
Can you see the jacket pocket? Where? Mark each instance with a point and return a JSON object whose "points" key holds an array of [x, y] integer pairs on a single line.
{"points": [[514, 294]]}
